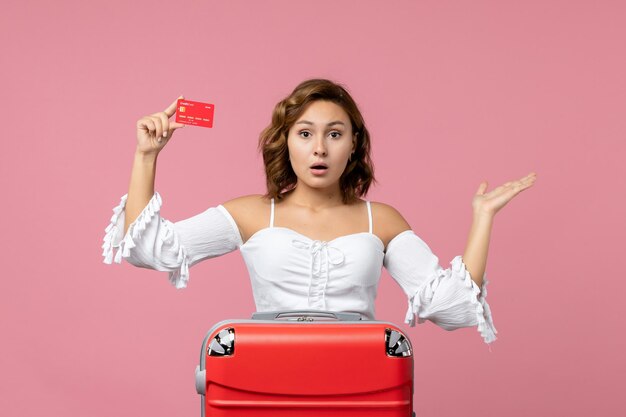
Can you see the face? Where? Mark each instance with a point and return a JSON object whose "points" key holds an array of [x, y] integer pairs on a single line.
{"points": [[321, 135]]}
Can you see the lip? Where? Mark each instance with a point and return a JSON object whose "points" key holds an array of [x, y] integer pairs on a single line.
{"points": [[318, 163], [315, 171]]}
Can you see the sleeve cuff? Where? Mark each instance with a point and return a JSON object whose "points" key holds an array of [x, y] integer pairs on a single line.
{"points": [[117, 246], [477, 298], [113, 237]]}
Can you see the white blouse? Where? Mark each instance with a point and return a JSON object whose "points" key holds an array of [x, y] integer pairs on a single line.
{"points": [[290, 271]]}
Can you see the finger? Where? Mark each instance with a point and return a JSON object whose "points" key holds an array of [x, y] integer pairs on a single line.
{"points": [[171, 126], [159, 128], [164, 123], [482, 188], [520, 186], [147, 124], [501, 189], [172, 107], [174, 126], [515, 185], [528, 183], [532, 175], [507, 189]]}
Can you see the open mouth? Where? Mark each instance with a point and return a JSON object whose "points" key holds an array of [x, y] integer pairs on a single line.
{"points": [[318, 169]]}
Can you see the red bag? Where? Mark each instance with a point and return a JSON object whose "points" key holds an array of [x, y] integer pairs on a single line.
{"points": [[305, 363]]}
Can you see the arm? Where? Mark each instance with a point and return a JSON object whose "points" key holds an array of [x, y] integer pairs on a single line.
{"points": [[141, 187], [455, 297], [485, 207], [447, 297], [475, 255], [137, 231], [153, 133]]}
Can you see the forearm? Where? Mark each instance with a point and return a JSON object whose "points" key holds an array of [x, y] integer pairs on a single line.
{"points": [[141, 187], [475, 255]]}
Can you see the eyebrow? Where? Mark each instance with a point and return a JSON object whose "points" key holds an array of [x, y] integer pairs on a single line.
{"points": [[336, 122]]}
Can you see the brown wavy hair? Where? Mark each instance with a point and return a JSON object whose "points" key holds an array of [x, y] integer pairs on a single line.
{"points": [[280, 177]]}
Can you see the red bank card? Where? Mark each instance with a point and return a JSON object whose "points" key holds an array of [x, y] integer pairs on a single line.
{"points": [[194, 113]]}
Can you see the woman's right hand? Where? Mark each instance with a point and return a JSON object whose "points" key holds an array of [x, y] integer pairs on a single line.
{"points": [[156, 130]]}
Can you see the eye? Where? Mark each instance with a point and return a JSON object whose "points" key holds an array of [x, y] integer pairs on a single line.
{"points": [[336, 132], [302, 132]]}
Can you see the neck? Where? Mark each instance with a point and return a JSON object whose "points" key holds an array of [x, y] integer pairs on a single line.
{"points": [[315, 198]]}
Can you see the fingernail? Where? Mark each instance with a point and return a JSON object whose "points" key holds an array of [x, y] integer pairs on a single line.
{"points": [[164, 134]]}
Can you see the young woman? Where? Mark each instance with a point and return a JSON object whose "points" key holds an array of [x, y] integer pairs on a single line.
{"points": [[311, 241]]}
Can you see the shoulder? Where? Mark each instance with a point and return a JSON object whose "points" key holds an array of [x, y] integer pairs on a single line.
{"points": [[246, 206], [250, 212], [388, 222], [246, 202]]}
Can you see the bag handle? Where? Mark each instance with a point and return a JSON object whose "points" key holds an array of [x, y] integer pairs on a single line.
{"points": [[306, 315]]}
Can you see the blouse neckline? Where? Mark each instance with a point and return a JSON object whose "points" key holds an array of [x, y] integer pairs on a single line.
{"points": [[376, 238]]}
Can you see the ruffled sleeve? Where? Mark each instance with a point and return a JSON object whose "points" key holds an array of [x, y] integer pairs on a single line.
{"points": [[447, 297], [156, 243]]}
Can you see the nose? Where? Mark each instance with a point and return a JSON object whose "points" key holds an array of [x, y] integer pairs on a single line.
{"points": [[320, 147]]}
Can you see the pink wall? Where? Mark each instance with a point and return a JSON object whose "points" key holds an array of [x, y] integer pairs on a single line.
{"points": [[453, 93]]}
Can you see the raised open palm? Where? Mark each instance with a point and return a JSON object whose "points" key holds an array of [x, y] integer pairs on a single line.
{"points": [[490, 203]]}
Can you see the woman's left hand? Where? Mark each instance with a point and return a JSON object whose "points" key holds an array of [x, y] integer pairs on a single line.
{"points": [[490, 203]]}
